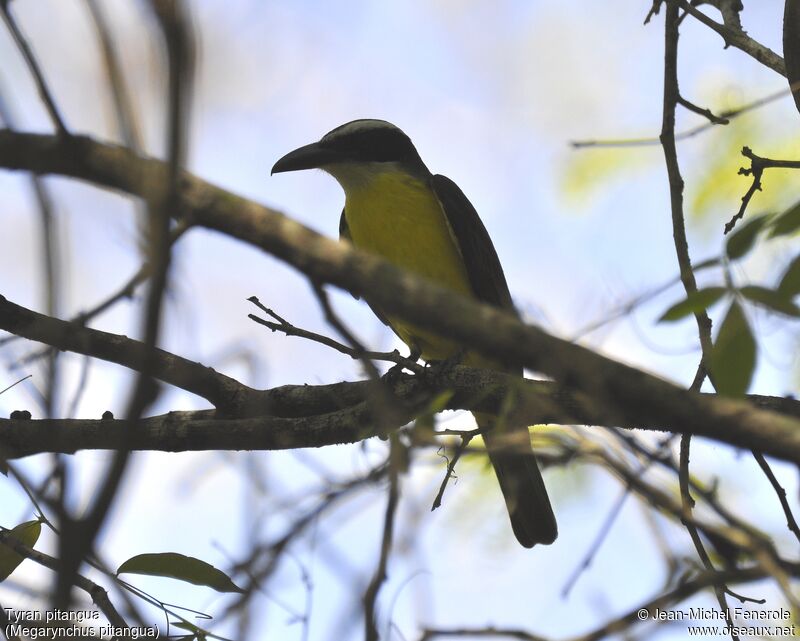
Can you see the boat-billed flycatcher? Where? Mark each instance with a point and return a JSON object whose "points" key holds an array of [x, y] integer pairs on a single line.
{"points": [[396, 208]]}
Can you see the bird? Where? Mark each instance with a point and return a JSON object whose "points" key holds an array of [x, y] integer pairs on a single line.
{"points": [[422, 222]]}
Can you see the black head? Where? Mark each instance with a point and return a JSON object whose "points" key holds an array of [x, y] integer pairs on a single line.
{"points": [[366, 140], [372, 141]]}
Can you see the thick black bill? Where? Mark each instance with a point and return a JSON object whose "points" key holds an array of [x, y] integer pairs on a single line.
{"points": [[310, 156]]}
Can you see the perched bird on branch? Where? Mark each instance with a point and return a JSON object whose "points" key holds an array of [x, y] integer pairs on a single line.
{"points": [[421, 222]]}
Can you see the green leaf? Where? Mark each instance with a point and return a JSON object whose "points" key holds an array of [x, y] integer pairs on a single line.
{"points": [[27, 533], [693, 303], [786, 223], [733, 356], [775, 300], [197, 633], [741, 241], [181, 567], [790, 281], [705, 264], [183, 625]]}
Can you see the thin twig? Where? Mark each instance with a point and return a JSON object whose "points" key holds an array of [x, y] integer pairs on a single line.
{"points": [[262, 562], [24, 378], [599, 538], [739, 39], [333, 319], [96, 592], [791, 522], [34, 68], [631, 442], [80, 388], [637, 301], [396, 457], [654, 9], [728, 115], [387, 408], [78, 536], [166, 366], [706, 113], [126, 291], [756, 170], [50, 274], [676, 185], [645, 611], [123, 106], [451, 465], [284, 326]]}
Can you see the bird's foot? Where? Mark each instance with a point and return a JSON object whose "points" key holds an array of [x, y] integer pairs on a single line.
{"points": [[396, 371], [442, 368]]}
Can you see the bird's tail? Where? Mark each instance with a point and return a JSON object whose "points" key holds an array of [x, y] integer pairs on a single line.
{"points": [[528, 505]]}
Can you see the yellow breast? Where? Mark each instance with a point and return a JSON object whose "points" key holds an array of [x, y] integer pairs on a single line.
{"points": [[399, 218]]}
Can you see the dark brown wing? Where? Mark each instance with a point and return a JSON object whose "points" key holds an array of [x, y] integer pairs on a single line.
{"points": [[520, 480], [483, 266]]}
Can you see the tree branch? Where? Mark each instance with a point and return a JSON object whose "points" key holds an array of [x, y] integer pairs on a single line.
{"points": [[630, 395], [115, 348], [739, 39], [315, 416]]}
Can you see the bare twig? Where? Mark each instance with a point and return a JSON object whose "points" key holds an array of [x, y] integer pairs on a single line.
{"points": [[728, 114], [730, 10], [637, 301], [791, 522], [123, 107], [284, 326], [706, 113], [644, 610], [193, 377], [262, 562], [334, 321], [96, 592], [654, 9], [739, 39], [451, 466], [78, 536], [387, 409], [396, 465], [24, 378], [756, 170], [52, 269], [676, 184], [126, 291], [33, 66], [594, 547], [313, 416]]}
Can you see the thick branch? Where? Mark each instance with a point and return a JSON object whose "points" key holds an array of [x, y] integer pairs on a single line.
{"points": [[628, 393], [184, 432], [114, 348], [315, 416]]}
